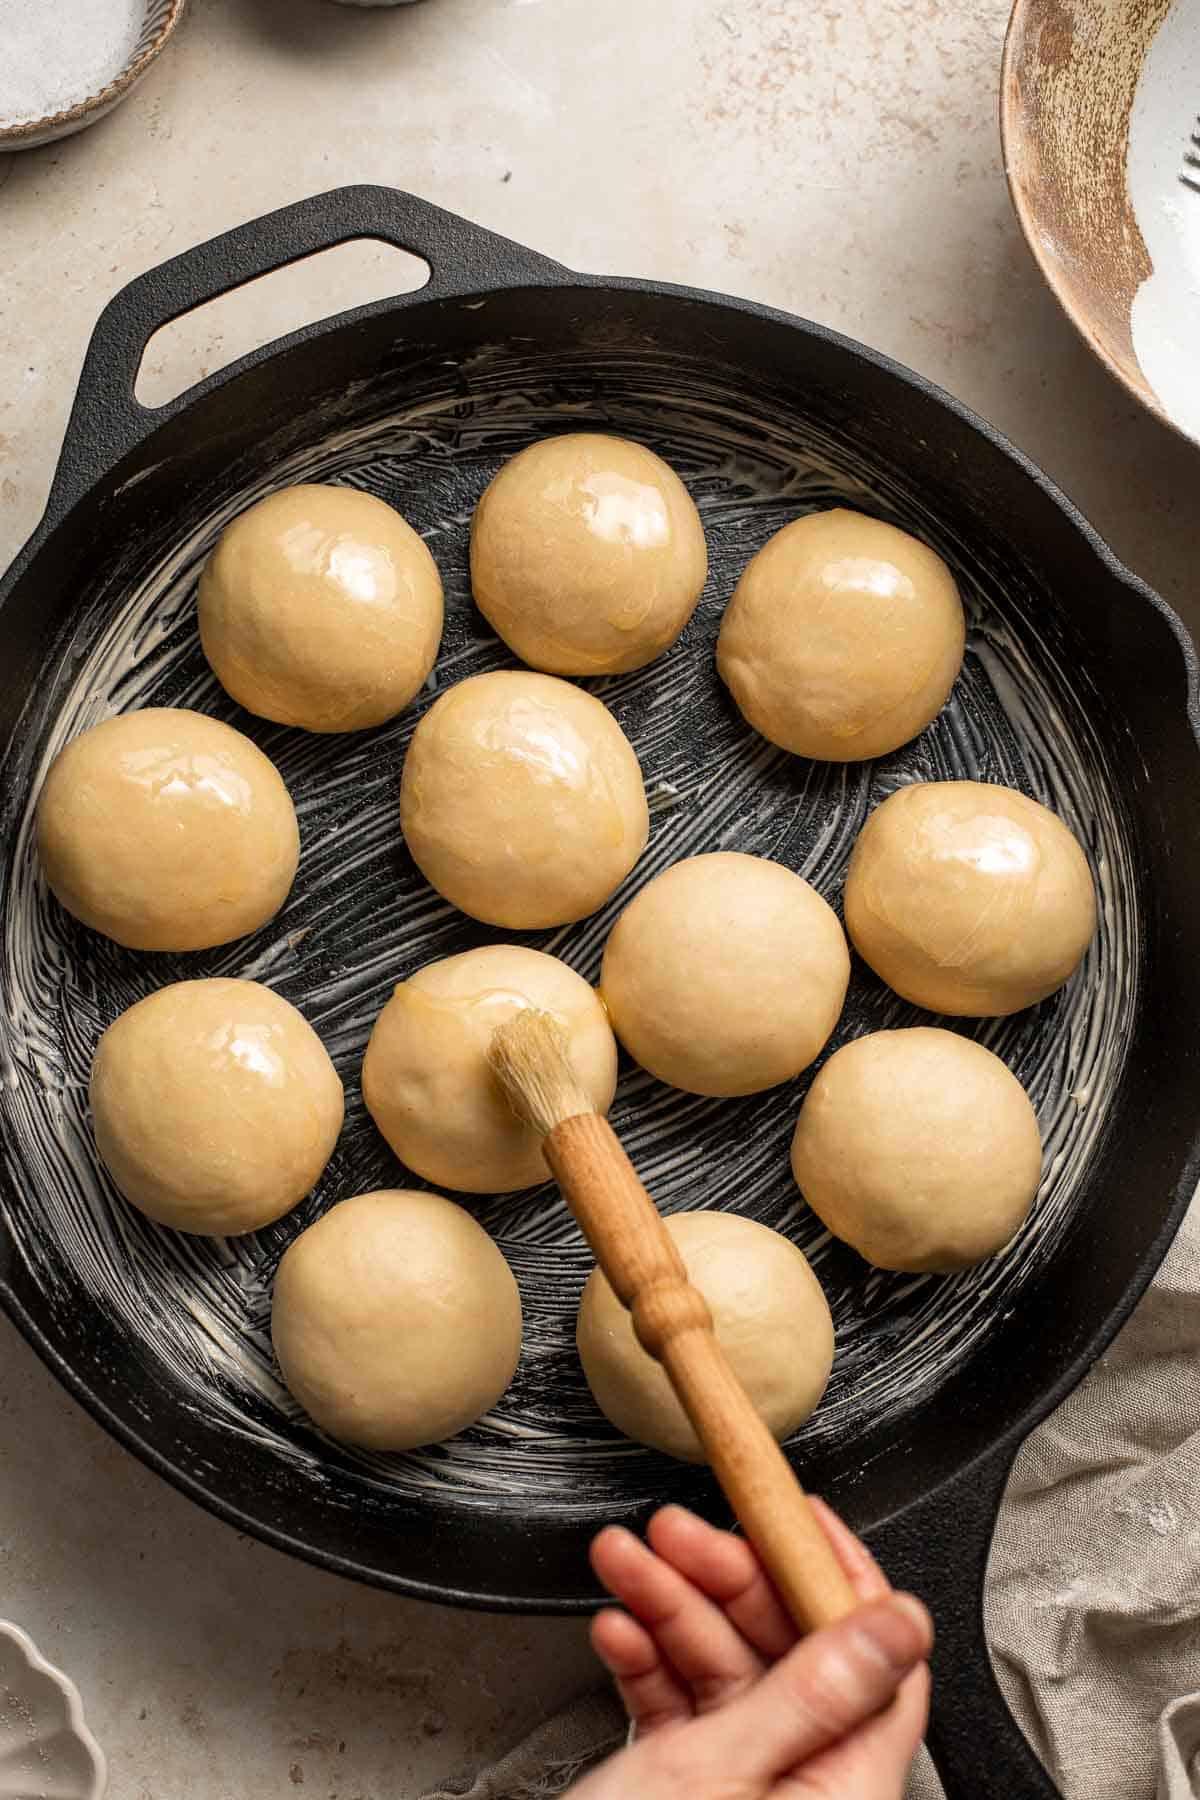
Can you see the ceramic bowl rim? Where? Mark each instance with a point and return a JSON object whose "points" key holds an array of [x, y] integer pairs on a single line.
{"points": [[1011, 134]]}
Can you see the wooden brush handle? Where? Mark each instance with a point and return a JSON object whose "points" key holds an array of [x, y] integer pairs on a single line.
{"points": [[671, 1317]]}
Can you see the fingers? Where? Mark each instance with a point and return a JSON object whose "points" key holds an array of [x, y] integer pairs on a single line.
{"points": [[706, 1617], [831, 1683], [650, 1691], [691, 1634], [871, 1763], [866, 1577], [874, 1761], [726, 1569]]}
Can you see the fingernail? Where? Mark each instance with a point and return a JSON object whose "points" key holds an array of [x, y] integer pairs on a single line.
{"points": [[919, 1613], [622, 1535], [613, 1534], [896, 1630]]}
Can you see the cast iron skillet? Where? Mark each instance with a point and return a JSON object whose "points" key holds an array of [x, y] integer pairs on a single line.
{"points": [[1080, 687]]}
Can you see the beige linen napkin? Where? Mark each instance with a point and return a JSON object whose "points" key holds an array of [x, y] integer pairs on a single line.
{"points": [[1093, 1600]]}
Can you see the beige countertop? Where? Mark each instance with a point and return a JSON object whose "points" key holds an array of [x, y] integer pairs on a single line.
{"points": [[840, 160]]}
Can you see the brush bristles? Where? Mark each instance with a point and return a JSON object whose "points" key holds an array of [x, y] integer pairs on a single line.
{"points": [[530, 1059]]}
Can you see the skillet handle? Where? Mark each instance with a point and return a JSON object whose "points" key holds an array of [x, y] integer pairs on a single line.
{"points": [[106, 420], [939, 1549]]}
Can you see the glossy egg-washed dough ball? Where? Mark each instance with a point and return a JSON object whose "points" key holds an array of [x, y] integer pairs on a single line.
{"points": [[167, 830], [843, 638], [215, 1105], [920, 1148], [426, 1078], [968, 898], [771, 1320], [522, 800], [396, 1320], [726, 974], [587, 555], [321, 607]]}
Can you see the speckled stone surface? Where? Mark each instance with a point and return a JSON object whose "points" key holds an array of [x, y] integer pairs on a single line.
{"points": [[841, 160]]}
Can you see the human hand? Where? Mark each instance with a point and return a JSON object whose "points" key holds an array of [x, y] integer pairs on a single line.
{"points": [[727, 1702]]}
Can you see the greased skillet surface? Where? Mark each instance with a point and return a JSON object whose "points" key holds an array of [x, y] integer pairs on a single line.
{"points": [[359, 919]]}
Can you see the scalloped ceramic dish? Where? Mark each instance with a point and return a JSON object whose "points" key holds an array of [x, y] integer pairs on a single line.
{"points": [[46, 1750], [161, 19]]}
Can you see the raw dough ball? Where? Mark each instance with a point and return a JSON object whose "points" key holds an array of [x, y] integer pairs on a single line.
{"points": [[843, 638], [919, 1148], [587, 555], [396, 1320], [320, 607], [969, 899], [426, 1079], [215, 1105], [167, 830], [771, 1318], [725, 975], [522, 800]]}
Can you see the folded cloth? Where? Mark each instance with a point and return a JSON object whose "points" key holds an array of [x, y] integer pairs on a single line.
{"points": [[551, 1757], [1093, 1594], [1179, 1749]]}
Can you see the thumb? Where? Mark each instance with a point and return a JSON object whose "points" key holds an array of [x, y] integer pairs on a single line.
{"points": [[827, 1685]]}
